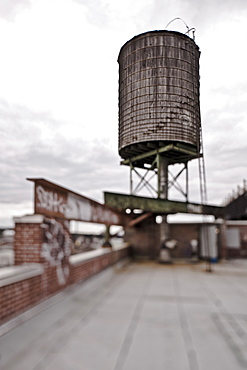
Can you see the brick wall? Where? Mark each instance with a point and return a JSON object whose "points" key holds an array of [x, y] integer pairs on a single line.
{"points": [[46, 242], [144, 239], [17, 297], [90, 267], [242, 251], [27, 244], [183, 233]]}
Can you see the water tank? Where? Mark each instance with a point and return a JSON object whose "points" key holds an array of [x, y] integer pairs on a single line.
{"points": [[158, 92]]}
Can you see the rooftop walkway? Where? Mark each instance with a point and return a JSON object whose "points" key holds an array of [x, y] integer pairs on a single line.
{"points": [[140, 316]]}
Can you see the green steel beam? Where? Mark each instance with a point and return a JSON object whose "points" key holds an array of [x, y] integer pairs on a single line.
{"points": [[159, 206], [147, 154], [164, 149]]}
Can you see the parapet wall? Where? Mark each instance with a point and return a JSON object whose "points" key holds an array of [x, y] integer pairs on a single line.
{"points": [[44, 266]]}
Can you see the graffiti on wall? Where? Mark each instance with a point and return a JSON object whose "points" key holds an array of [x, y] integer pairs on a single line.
{"points": [[67, 205], [56, 247], [50, 201], [55, 201]]}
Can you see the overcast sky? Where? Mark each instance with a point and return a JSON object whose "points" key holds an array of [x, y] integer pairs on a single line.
{"points": [[59, 92]]}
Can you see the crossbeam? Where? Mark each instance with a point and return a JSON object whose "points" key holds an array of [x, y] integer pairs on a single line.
{"points": [[160, 206], [165, 149]]}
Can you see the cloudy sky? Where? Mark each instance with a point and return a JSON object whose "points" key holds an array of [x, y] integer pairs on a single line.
{"points": [[59, 92]]}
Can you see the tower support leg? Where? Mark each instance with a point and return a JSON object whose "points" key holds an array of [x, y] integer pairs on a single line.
{"points": [[164, 256]]}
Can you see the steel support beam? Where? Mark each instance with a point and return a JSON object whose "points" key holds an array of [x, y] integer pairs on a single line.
{"points": [[162, 150], [159, 206]]}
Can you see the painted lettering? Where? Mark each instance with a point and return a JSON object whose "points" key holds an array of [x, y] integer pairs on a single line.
{"points": [[50, 201]]}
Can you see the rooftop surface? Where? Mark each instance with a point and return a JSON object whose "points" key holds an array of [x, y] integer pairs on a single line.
{"points": [[137, 316]]}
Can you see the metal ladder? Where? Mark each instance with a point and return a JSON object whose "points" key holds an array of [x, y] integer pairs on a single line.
{"points": [[203, 194]]}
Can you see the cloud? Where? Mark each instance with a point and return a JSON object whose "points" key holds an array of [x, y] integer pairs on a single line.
{"points": [[33, 147], [203, 15], [58, 93], [98, 12], [224, 135], [127, 17], [10, 8], [206, 14]]}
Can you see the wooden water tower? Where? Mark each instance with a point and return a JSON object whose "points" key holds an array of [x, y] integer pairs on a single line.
{"points": [[159, 109], [159, 119]]}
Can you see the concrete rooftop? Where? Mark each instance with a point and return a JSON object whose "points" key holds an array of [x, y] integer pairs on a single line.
{"points": [[138, 316]]}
